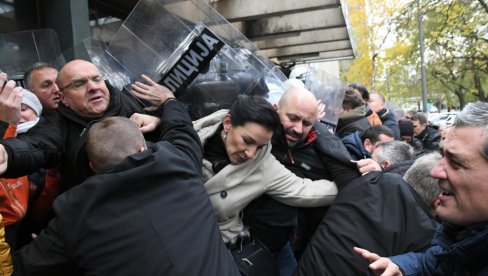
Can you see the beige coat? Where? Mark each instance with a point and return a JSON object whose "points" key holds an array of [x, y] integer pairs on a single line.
{"points": [[235, 186]]}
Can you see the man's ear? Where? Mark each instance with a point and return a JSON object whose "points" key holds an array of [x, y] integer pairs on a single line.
{"points": [[92, 167], [276, 107], [62, 98], [386, 164], [367, 145]]}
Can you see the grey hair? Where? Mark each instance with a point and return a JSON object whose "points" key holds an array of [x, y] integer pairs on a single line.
{"points": [[475, 115], [32, 68], [394, 152], [419, 178]]}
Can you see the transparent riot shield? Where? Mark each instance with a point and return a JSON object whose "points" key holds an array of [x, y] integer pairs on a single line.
{"points": [[190, 48], [330, 91], [19, 50]]}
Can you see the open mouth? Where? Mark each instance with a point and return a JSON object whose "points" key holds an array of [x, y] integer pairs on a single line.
{"points": [[95, 98]]}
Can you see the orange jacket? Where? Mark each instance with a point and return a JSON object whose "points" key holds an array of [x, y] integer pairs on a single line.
{"points": [[14, 192], [374, 119]]}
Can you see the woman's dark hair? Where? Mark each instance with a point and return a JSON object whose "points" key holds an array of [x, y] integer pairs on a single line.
{"points": [[253, 109]]}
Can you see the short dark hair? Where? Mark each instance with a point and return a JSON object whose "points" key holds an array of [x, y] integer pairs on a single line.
{"points": [[373, 133], [361, 89], [111, 140], [352, 99], [253, 109], [419, 117], [32, 68]]}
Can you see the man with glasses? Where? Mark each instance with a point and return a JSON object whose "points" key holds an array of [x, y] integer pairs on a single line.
{"points": [[85, 99]]}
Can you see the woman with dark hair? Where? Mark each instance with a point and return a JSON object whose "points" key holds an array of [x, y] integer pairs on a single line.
{"points": [[238, 166]]}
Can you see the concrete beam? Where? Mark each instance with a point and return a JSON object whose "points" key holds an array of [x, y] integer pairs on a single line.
{"points": [[318, 56], [309, 48], [308, 37], [238, 10], [70, 21], [305, 21]]}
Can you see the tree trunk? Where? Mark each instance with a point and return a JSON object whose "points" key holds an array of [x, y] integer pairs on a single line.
{"points": [[481, 92], [460, 94]]}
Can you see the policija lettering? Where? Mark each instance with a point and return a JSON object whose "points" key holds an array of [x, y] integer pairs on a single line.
{"points": [[199, 54]]}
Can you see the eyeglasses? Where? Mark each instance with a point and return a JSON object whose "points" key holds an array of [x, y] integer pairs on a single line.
{"points": [[80, 83]]}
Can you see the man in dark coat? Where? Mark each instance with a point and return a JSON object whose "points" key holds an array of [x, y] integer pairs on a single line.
{"points": [[406, 135], [380, 211], [353, 116], [360, 145], [85, 99], [460, 245], [305, 147], [377, 103], [428, 136], [145, 212]]}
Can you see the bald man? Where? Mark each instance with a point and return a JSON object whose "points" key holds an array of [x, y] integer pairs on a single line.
{"points": [[85, 99], [305, 147]]}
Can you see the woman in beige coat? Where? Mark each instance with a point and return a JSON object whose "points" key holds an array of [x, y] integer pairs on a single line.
{"points": [[238, 165]]}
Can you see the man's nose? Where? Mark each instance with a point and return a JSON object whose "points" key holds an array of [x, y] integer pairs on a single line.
{"points": [[56, 88], [91, 84], [298, 127], [438, 171]]}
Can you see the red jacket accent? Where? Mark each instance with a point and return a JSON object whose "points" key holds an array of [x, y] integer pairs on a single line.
{"points": [[14, 192]]}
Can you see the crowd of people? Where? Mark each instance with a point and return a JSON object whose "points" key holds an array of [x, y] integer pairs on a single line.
{"points": [[96, 184]]}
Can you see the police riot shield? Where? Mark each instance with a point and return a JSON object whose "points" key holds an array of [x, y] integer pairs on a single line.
{"points": [[20, 50], [191, 49], [330, 91]]}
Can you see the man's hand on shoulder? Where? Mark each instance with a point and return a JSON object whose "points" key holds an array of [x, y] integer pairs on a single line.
{"points": [[379, 265], [367, 165]]}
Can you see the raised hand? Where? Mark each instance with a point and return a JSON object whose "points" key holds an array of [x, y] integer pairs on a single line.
{"points": [[152, 92], [10, 100]]}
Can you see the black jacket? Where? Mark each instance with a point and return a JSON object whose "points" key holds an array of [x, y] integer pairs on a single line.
{"points": [[379, 212], [321, 156], [430, 139], [62, 138], [149, 215], [346, 126], [388, 119]]}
